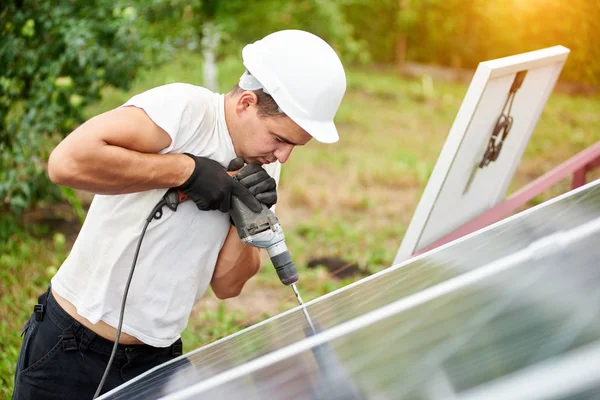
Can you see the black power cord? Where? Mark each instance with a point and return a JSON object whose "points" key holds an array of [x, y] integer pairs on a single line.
{"points": [[503, 123], [155, 214]]}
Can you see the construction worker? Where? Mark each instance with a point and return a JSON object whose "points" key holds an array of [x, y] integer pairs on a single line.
{"points": [[177, 135]]}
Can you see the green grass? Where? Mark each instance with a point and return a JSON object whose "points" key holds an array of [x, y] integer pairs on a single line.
{"points": [[27, 262], [352, 200]]}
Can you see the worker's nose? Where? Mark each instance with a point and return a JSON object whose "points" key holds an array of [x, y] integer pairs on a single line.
{"points": [[283, 153]]}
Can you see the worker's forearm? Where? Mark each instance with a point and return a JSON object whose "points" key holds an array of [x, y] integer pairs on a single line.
{"points": [[236, 257], [237, 263], [108, 169]]}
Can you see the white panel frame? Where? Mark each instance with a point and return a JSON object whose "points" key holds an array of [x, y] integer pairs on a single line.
{"points": [[417, 235]]}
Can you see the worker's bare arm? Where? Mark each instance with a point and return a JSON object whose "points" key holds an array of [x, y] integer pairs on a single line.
{"points": [[115, 153], [236, 264]]}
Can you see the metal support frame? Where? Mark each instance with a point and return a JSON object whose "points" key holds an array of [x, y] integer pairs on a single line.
{"points": [[578, 166]]}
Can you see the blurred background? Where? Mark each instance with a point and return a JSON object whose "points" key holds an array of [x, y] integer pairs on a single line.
{"points": [[345, 207]]}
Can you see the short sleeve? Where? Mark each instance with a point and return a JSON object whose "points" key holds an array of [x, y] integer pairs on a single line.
{"points": [[173, 107]]}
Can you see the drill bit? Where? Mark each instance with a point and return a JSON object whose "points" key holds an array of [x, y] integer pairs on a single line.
{"points": [[295, 289]]}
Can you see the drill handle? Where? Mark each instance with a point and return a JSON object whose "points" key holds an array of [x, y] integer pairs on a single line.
{"points": [[245, 219], [174, 197]]}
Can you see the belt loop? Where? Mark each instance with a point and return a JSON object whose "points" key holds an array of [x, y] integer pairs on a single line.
{"points": [[177, 349], [69, 343], [86, 338], [39, 308]]}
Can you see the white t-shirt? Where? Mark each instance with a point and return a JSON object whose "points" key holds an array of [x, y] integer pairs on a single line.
{"points": [[179, 251]]}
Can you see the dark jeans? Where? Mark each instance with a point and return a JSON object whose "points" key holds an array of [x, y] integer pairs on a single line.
{"points": [[61, 359]]}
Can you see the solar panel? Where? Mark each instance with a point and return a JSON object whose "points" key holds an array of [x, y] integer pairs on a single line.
{"points": [[531, 321], [505, 98], [448, 340]]}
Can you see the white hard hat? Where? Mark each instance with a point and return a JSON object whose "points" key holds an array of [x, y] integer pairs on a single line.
{"points": [[304, 76]]}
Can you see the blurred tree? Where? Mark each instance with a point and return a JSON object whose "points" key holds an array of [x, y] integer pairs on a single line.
{"points": [[54, 59], [239, 22], [375, 23], [173, 23], [406, 22], [243, 23], [462, 33]]}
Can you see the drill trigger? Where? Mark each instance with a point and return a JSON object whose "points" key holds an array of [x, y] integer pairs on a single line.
{"points": [[182, 197]]}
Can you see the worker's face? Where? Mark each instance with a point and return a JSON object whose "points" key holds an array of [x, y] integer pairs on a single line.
{"points": [[263, 139]]}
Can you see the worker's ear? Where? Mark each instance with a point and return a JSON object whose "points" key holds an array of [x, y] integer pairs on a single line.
{"points": [[247, 98]]}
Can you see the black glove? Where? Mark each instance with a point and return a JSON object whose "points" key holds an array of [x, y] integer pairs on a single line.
{"points": [[210, 187], [259, 182]]}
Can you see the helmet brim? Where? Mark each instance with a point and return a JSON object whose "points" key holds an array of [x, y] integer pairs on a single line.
{"points": [[322, 131]]}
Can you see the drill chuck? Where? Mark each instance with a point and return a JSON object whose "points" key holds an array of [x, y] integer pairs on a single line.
{"points": [[283, 263], [273, 240]]}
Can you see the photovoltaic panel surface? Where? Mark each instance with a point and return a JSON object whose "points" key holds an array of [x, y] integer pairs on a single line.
{"points": [[407, 279], [514, 314]]}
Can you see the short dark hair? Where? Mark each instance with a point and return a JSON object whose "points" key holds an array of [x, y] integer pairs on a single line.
{"points": [[265, 103]]}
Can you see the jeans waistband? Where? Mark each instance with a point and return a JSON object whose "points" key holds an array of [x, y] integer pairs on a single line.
{"points": [[59, 316], [90, 339]]}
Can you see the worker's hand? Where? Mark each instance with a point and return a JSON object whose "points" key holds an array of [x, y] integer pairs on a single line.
{"points": [[210, 187], [259, 182], [236, 164]]}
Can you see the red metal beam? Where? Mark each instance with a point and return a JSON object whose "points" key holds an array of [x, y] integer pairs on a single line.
{"points": [[577, 166]]}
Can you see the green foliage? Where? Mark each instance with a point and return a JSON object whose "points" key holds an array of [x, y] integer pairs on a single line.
{"points": [[374, 22], [242, 24], [239, 22], [29, 257], [54, 60], [462, 33], [174, 23]]}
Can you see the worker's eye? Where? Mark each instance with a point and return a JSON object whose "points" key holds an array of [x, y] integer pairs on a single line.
{"points": [[278, 139]]}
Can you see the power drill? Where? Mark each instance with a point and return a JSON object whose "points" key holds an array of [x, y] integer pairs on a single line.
{"points": [[261, 229]]}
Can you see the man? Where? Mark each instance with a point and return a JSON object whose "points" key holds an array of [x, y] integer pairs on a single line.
{"points": [[181, 136]]}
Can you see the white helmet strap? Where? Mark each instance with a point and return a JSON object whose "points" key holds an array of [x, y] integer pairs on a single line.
{"points": [[249, 82]]}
